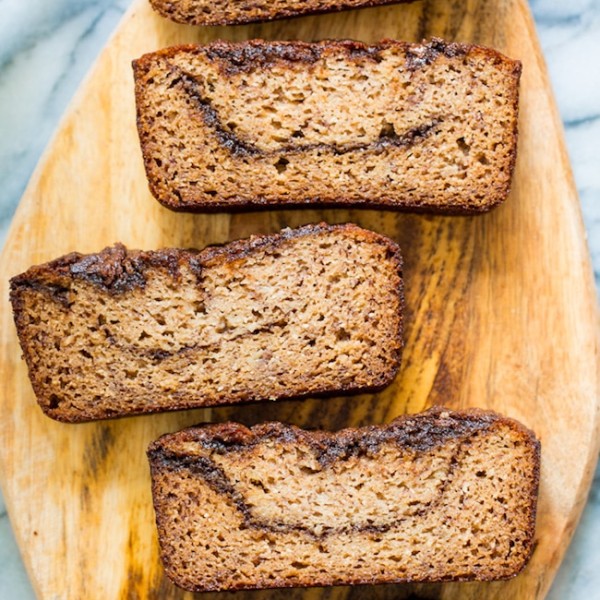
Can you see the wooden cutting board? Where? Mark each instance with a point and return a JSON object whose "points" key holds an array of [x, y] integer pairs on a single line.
{"points": [[501, 314]]}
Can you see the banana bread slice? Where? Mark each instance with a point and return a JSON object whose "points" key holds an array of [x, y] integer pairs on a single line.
{"points": [[257, 124], [440, 496], [226, 12], [308, 311]]}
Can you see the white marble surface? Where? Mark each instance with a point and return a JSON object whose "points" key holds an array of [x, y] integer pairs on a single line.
{"points": [[47, 47]]}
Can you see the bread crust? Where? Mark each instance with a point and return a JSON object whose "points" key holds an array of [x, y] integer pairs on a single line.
{"points": [[168, 9], [417, 433], [233, 58]]}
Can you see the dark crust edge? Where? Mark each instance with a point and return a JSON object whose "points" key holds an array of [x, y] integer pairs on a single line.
{"points": [[281, 14], [243, 204], [270, 430], [85, 417], [262, 53], [254, 54], [57, 274], [298, 51]]}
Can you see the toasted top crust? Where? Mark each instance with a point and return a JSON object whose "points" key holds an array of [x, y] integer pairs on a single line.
{"points": [[224, 12], [256, 54], [118, 269], [420, 432]]}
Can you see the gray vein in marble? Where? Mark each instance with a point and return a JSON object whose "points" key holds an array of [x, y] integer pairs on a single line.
{"points": [[72, 56], [41, 18], [582, 121], [35, 91], [557, 11]]}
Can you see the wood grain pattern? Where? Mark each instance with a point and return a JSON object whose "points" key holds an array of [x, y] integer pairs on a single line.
{"points": [[501, 313]]}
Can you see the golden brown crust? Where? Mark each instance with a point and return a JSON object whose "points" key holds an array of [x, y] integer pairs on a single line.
{"points": [[119, 269], [233, 59], [172, 456], [120, 276], [419, 432], [173, 10], [255, 54]]}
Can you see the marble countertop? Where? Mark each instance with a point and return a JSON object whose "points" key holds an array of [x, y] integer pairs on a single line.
{"points": [[47, 47]]}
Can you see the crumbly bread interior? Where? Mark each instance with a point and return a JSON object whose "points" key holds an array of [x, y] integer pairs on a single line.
{"points": [[413, 126], [226, 12], [316, 311], [423, 502]]}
